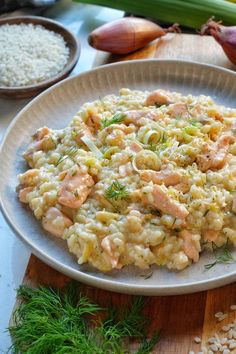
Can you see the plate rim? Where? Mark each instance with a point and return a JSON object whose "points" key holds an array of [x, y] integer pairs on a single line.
{"points": [[113, 285]]}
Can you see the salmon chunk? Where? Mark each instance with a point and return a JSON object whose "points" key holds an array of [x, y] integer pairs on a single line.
{"points": [[178, 110], [166, 176], [75, 189], [189, 246], [168, 205], [23, 194], [55, 222], [216, 156], [157, 98], [210, 235], [134, 116]]}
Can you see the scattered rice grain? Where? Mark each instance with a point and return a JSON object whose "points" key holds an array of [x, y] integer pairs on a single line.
{"points": [[226, 328], [221, 318], [232, 345], [226, 344], [218, 314], [214, 347], [226, 351], [230, 334], [223, 340]]}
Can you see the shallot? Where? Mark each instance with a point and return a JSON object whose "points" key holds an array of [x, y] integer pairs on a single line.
{"points": [[127, 35], [225, 36]]}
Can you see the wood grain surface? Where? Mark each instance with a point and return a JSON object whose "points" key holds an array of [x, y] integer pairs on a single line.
{"points": [[180, 318], [203, 49]]}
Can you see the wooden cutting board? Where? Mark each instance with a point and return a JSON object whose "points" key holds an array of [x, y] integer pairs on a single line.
{"points": [[203, 49], [181, 318]]}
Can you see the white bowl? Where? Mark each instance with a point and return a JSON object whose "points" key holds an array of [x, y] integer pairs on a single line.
{"points": [[55, 108]]}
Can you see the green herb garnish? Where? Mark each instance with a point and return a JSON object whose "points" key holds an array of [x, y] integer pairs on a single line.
{"points": [[116, 191], [74, 134], [53, 141], [163, 146], [164, 137], [76, 193], [116, 119], [58, 322], [147, 346], [152, 146], [195, 123], [71, 152], [147, 275], [222, 255], [177, 118]]}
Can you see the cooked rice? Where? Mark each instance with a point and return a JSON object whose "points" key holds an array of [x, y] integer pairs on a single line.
{"points": [[138, 228]]}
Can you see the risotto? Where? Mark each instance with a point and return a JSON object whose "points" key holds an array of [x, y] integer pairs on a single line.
{"points": [[139, 178]]}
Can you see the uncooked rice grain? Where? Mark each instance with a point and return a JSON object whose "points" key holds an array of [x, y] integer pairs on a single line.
{"points": [[30, 54]]}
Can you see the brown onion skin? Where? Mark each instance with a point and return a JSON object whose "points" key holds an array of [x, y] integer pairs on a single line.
{"points": [[225, 36], [126, 35]]}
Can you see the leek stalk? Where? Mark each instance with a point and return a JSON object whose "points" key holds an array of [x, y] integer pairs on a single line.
{"points": [[189, 13]]}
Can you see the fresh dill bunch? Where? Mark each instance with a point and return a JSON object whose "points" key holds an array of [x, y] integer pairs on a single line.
{"points": [[51, 322], [70, 152], [130, 323], [116, 119], [59, 322], [116, 191], [222, 255], [147, 345]]}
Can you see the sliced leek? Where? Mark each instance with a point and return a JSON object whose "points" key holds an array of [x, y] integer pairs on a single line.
{"points": [[92, 147]]}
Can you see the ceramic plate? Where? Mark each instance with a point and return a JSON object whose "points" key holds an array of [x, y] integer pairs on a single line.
{"points": [[54, 108]]}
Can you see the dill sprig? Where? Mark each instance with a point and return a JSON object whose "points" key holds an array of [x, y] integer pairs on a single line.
{"points": [[152, 146], [163, 138], [195, 123], [54, 141], [116, 191], [222, 255], [50, 321], [147, 345], [147, 275], [70, 152], [116, 119], [157, 148]]}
